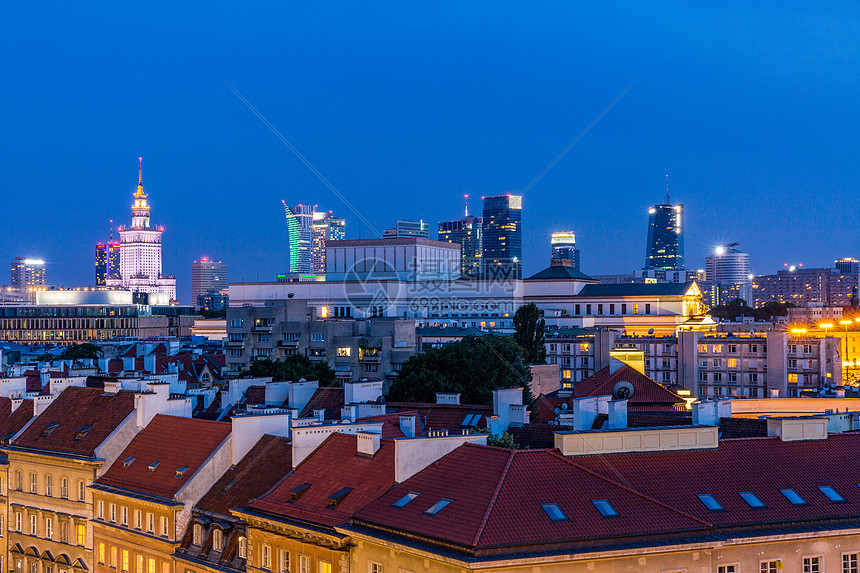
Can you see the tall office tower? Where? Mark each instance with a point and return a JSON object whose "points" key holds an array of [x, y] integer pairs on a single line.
{"points": [[27, 272], [468, 233], [140, 251], [564, 247], [325, 228], [502, 240], [665, 248], [848, 265], [207, 276], [407, 230], [300, 220], [729, 270], [107, 261]]}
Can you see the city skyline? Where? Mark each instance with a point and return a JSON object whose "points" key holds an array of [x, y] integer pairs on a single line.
{"points": [[702, 77]]}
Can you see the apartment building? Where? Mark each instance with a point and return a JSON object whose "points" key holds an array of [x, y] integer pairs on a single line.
{"points": [[53, 463], [355, 348]]}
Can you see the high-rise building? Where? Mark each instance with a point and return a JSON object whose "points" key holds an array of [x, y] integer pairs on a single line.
{"points": [[564, 247], [325, 228], [407, 230], [848, 265], [107, 261], [803, 286], [665, 248], [207, 276], [140, 251], [300, 220], [27, 272], [502, 241], [728, 270], [467, 232]]}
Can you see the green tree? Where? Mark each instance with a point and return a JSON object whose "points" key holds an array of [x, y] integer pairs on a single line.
{"points": [[530, 328], [293, 368], [78, 351], [473, 366], [506, 440]]}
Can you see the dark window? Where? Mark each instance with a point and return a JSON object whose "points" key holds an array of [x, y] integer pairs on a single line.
{"points": [[831, 494], [604, 507], [793, 496], [751, 499], [553, 511], [710, 502]]}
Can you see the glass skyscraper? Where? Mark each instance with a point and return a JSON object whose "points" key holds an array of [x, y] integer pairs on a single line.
{"points": [[468, 233], [107, 261], [665, 248], [502, 241], [564, 247]]}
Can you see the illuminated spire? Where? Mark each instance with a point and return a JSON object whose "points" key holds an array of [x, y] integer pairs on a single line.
{"points": [[467, 204], [140, 208]]}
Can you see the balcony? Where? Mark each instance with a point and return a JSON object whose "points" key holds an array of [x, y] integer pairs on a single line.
{"points": [[262, 329], [235, 343], [369, 355], [288, 343]]}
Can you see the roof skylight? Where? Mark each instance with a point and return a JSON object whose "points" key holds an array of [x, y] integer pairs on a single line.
{"points": [[438, 506], [180, 471], [604, 507], [709, 501], [752, 499], [82, 431], [338, 496], [127, 461], [46, 431], [793, 496], [151, 467], [471, 420], [299, 491], [831, 494], [405, 499], [553, 511]]}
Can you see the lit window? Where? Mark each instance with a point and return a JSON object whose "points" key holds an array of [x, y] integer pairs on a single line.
{"points": [[344, 351], [102, 553], [793, 496], [139, 564], [604, 507], [242, 547], [751, 499], [831, 494], [436, 507], [125, 559], [709, 501], [553, 511], [81, 536], [150, 566]]}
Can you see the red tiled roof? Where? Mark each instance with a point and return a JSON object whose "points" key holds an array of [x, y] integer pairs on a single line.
{"points": [[329, 398], [34, 380], [12, 422], [267, 462], [497, 502], [647, 393], [334, 465], [255, 395], [443, 416], [171, 441], [72, 410], [545, 407]]}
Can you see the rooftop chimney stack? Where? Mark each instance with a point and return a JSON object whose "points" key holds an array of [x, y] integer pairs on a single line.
{"points": [[368, 443]]}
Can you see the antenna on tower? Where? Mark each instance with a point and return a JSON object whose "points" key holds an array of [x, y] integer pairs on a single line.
{"points": [[467, 204], [667, 189], [140, 173], [111, 230]]}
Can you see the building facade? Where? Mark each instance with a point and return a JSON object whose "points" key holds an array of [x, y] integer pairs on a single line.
{"points": [[665, 246], [564, 247], [408, 229], [140, 251], [466, 232], [502, 241], [28, 272], [107, 262], [326, 227], [728, 270], [207, 276], [803, 286]]}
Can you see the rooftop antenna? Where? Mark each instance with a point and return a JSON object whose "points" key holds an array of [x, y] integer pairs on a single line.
{"points": [[667, 189], [140, 173], [467, 204], [111, 230]]}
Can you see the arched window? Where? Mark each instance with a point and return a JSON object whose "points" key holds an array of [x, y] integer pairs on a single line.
{"points": [[19, 485], [49, 485], [243, 547], [217, 539], [64, 488]]}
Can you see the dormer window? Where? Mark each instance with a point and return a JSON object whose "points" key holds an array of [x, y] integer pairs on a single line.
{"points": [[217, 539], [298, 492], [338, 496], [181, 471], [151, 467], [127, 461], [46, 431], [82, 431], [198, 534]]}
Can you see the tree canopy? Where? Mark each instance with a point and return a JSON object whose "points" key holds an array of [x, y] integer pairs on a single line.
{"points": [[473, 366], [738, 307], [530, 328], [78, 351], [293, 368]]}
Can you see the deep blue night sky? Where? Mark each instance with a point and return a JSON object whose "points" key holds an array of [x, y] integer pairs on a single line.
{"points": [[404, 107]]}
